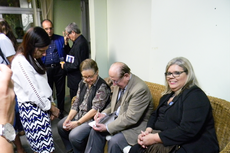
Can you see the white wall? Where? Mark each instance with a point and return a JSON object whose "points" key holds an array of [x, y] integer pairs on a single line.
{"points": [[66, 12], [199, 31], [146, 34], [129, 34], [98, 33]]}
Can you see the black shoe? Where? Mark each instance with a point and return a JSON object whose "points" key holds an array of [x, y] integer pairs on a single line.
{"points": [[70, 151], [61, 116]]}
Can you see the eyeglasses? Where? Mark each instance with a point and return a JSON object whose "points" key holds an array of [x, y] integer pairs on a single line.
{"points": [[117, 81], [174, 74], [89, 77], [68, 33]]}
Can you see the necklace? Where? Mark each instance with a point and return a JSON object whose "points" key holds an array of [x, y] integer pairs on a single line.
{"points": [[170, 102]]}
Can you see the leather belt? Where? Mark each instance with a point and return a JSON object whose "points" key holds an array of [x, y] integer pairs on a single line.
{"points": [[53, 65]]}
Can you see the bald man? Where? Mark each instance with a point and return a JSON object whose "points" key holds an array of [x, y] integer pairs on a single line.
{"points": [[54, 54], [132, 112]]}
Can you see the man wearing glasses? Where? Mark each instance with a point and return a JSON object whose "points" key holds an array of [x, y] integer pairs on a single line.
{"points": [[76, 54], [131, 102]]}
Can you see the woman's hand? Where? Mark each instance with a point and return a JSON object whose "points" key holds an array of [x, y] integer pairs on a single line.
{"points": [[69, 125], [149, 139], [74, 124], [66, 125], [54, 111], [141, 137], [52, 117], [148, 130]]}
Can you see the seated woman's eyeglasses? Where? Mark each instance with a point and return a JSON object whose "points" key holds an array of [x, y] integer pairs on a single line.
{"points": [[89, 77], [174, 74]]}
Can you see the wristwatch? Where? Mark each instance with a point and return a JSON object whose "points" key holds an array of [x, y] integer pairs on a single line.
{"points": [[7, 131]]}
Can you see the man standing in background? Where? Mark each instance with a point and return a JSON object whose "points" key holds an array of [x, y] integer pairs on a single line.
{"points": [[76, 54], [55, 73]]}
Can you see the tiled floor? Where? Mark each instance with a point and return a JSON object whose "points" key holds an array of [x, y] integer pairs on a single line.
{"points": [[59, 147]]}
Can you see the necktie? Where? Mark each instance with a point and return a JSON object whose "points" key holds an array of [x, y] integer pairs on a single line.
{"points": [[119, 100]]}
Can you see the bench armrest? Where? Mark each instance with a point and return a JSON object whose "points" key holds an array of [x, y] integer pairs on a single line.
{"points": [[226, 149]]}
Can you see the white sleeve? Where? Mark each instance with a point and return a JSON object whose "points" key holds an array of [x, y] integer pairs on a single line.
{"points": [[6, 46], [29, 85]]}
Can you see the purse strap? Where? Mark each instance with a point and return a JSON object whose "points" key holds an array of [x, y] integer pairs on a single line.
{"points": [[3, 57], [31, 84]]}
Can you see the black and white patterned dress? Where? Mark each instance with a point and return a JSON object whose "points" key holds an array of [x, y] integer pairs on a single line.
{"points": [[36, 124]]}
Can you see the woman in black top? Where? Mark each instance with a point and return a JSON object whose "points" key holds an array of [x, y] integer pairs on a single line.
{"points": [[183, 119]]}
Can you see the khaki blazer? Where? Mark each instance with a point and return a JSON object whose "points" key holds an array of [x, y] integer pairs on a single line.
{"points": [[135, 109]]}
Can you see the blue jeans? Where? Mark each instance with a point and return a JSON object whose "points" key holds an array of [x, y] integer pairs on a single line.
{"points": [[17, 122]]}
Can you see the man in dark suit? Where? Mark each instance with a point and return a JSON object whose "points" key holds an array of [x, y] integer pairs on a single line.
{"points": [[76, 54], [132, 113], [56, 75]]}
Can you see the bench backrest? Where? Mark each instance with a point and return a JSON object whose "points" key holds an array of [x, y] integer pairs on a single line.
{"points": [[221, 114]]}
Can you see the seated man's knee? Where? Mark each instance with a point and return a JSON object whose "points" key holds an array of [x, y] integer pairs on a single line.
{"points": [[113, 141]]}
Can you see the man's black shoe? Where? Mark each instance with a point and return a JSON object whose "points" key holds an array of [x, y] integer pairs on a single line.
{"points": [[61, 116], [70, 151]]}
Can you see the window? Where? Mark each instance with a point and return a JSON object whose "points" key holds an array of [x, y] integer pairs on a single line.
{"points": [[20, 15]]}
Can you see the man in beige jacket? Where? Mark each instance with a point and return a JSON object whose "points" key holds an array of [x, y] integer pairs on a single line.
{"points": [[132, 113]]}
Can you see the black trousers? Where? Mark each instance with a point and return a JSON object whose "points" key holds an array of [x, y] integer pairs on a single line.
{"points": [[73, 92], [56, 75], [136, 149]]}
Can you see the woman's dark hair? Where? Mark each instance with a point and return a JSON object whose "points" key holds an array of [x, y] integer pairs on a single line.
{"points": [[6, 29], [35, 37]]}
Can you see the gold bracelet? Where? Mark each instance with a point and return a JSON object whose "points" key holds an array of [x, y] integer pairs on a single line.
{"points": [[53, 103], [78, 123]]}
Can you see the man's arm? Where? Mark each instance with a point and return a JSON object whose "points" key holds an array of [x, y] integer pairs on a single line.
{"points": [[6, 147], [132, 110], [7, 104]]}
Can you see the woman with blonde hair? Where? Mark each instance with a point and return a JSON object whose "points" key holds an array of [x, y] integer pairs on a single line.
{"points": [[183, 121]]}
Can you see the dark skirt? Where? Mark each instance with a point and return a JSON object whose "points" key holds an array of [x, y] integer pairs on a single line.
{"points": [[155, 148], [37, 127]]}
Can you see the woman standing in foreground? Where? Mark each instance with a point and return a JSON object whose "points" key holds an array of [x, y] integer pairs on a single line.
{"points": [[183, 121], [33, 91]]}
